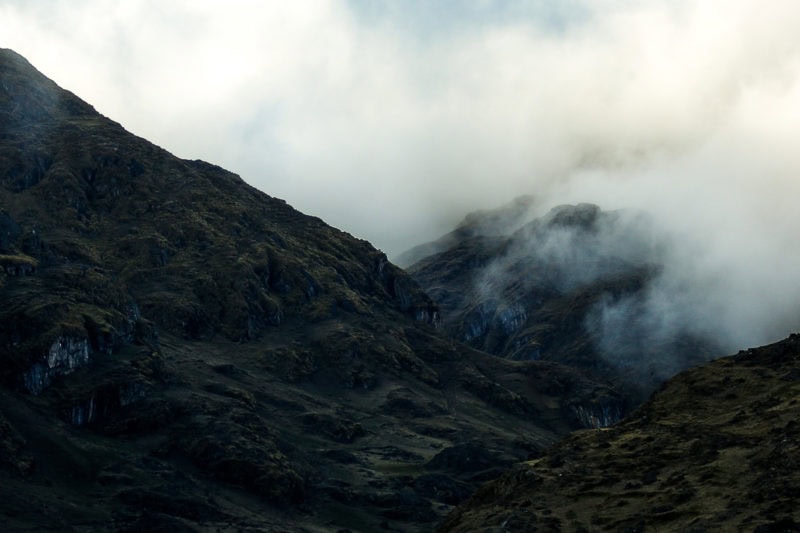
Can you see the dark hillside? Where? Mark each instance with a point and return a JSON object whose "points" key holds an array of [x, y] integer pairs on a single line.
{"points": [[716, 449], [181, 351]]}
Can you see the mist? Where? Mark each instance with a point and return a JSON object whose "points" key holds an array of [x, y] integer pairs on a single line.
{"points": [[393, 120]]}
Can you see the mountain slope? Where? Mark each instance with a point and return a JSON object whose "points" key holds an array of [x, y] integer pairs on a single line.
{"points": [[716, 449], [183, 352], [544, 291]]}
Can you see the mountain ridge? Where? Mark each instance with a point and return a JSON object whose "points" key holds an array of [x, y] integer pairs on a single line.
{"points": [[541, 293]]}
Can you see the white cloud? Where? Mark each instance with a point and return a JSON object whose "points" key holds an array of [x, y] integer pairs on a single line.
{"points": [[392, 121]]}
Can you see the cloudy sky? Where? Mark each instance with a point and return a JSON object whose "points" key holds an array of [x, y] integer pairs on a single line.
{"points": [[392, 119]]}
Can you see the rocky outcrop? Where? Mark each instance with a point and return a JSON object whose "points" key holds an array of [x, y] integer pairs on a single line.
{"points": [[65, 355], [598, 416], [106, 400], [18, 265], [84, 414]]}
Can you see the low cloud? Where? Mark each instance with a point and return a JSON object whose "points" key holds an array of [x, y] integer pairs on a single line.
{"points": [[393, 121]]}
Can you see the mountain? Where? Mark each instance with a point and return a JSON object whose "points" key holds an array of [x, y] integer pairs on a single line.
{"points": [[486, 223], [716, 449], [553, 290], [183, 352]]}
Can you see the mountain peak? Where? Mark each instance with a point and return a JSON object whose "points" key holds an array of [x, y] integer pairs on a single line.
{"points": [[28, 97], [485, 222]]}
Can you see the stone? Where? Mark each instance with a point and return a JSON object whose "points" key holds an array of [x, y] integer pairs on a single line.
{"points": [[65, 355]]}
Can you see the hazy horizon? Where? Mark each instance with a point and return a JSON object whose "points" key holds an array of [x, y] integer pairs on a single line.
{"points": [[393, 120]]}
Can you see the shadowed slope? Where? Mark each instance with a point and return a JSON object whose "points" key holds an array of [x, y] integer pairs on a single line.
{"points": [[716, 449]]}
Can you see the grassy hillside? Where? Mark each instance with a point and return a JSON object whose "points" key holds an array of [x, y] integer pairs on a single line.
{"points": [[716, 449]]}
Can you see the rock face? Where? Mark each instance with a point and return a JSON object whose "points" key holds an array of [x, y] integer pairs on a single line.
{"points": [[65, 355], [714, 450], [541, 292], [181, 351]]}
